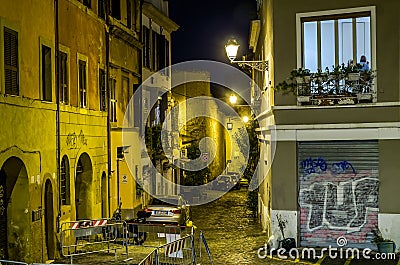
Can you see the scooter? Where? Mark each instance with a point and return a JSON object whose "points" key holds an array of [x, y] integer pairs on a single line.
{"points": [[131, 226]]}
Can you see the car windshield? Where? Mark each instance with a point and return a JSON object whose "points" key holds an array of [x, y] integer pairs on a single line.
{"points": [[166, 201]]}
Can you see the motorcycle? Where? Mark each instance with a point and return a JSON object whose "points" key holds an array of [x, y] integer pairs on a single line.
{"points": [[131, 226]]}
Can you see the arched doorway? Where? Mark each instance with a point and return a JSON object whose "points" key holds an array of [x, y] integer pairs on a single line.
{"points": [[104, 193], [49, 219], [83, 188], [14, 202]]}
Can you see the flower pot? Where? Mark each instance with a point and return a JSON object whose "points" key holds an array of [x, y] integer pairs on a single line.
{"points": [[385, 247]]}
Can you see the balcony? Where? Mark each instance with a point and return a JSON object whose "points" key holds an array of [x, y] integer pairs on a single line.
{"points": [[342, 86]]}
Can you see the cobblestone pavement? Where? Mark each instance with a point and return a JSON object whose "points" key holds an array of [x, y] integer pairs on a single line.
{"points": [[232, 235]]}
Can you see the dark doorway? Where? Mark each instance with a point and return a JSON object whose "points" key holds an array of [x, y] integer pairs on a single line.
{"points": [[14, 200], [49, 219], [3, 216], [84, 188], [104, 195]]}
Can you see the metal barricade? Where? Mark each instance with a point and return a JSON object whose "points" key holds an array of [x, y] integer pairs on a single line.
{"points": [[92, 236], [180, 251], [177, 252], [10, 262], [150, 259], [154, 235]]}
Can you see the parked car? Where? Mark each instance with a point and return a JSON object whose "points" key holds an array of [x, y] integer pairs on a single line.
{"points": [[168, 210], [225, 182]]}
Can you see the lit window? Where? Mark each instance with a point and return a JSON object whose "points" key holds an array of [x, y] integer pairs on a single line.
{"points": [[335, 39]]}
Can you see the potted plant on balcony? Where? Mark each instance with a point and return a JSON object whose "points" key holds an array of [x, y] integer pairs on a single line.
{"points": [[384, 245]]}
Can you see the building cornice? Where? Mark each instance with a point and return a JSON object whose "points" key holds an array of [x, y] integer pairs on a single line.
{"points": [[159, 17]]}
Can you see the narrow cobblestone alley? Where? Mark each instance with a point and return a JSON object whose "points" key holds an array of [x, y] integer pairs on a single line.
{"points": [[232, 235]]}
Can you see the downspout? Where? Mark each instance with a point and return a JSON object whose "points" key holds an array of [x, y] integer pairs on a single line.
{"points": [[107, 34], [140, 65], [58, 141]]}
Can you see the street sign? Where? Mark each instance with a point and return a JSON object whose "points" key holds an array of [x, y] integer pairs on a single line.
{"points": [[124, 179]]}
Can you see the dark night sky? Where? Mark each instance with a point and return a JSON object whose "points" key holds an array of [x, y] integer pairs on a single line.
{"points": [[206, 25]]}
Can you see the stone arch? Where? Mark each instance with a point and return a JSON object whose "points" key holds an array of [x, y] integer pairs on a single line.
{"points": [[14, 210], [84, 187]]}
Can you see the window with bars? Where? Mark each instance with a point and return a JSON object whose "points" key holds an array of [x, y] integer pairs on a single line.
{"points": [[129, 14], [46, 74], [113, 100], [63, 77], [102, 90], [116, 9], [154, 50], [86, 3], [82, 84], [65, 182], [335, 39], [146, 47], [11, 68], [101, 9]]}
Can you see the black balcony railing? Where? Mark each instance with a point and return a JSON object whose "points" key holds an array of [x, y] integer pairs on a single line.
{"points": [[338, 87]]}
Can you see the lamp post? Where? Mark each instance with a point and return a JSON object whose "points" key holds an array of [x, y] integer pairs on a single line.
{"points": [[231, 48]]}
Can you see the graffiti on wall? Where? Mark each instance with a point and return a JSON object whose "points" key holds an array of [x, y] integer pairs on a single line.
{"points": [[2, 199], [335, 197], [73, 140]]}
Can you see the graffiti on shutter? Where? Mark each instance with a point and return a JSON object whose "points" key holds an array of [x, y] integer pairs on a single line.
{"points": [[338, 192]]}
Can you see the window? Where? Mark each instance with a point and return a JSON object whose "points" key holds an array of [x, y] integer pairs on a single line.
{"points": [[129, 14], [335, 39], [113, 101], [116, 9], [101, 9], [102, 90], [65, 182], [46, 74], [163, 53], [82, 84], [63, 77], [11, 69], [86, 2], [146, 47], [154, 50]]}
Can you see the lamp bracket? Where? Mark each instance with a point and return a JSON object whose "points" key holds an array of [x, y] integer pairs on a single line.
{"points": [[258, 65]]}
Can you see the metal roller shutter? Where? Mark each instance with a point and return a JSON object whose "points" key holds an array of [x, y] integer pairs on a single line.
{"points": [[338, 192]]}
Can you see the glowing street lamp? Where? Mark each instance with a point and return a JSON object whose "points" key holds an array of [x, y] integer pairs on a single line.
{"points": [[245, 119], [233, 99], [231, 48]]}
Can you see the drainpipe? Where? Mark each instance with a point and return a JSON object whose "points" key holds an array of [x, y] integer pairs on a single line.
{"points": [[107, 35], [57, 114]]}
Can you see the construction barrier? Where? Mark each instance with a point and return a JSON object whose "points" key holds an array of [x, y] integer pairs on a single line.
{"points": [[91, 236], [180, 251], [154, 235]]}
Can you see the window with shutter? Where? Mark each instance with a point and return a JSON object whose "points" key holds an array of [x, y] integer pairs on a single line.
{"points": [[102, 89], [11, 61], [113, 100], [82, 84], [63, 78], [46, 74]]}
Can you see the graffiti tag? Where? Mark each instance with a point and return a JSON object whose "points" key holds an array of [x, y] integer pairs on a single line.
{"points": [[315, 165], [2, 209], [319, 165], [343, 206], [73, 140]]}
